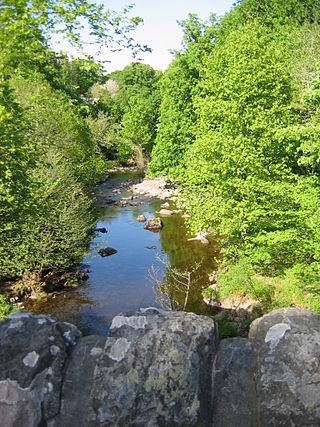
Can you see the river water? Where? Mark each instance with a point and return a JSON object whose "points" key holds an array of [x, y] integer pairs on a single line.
{"points": [[126, 280]]}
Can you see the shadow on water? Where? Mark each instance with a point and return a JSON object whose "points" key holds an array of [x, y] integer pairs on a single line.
{"points": [[121, 282]]}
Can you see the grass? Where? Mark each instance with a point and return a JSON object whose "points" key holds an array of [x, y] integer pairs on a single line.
{"points": [[288, 290]]}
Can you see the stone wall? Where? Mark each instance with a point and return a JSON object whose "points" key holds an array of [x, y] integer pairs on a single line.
{"points": [[159, 368]]}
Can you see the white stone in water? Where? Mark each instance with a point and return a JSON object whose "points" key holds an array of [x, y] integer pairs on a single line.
{"points": [[276, 333], [41, 321], [31, 359], [119, 349], [54, 350], [135, 322]]}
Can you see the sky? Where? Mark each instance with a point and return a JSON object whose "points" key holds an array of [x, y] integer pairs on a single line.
{"points": [[160, 30]]}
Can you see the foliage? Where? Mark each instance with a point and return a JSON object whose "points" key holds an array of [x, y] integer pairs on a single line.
{"points": [[15, 155], [139, 121], [48, 223], [5, 307], [226, 330], [245, 155], [54, 122], [76, 77], [56, 133], [282, 291], [129, 100], [174, 132], [239, 129], [26, 28], [177, 115]]}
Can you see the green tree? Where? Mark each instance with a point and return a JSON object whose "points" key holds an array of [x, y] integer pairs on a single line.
{"points": [[252, 173], [130, 100], [139, 121], [175, 132]]}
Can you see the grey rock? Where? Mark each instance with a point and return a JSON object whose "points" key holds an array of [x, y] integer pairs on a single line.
{"points": [[288, 368], [33, 354], [107, 252], [78, 382], [160, 368], [110, 202], [155, 370], [186, 216], [235, 399]]}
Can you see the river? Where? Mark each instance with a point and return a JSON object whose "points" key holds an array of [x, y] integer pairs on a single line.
{"points": [[124, 282]]}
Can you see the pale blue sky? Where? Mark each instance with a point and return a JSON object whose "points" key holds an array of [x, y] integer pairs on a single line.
{"points": [[160, 29]]}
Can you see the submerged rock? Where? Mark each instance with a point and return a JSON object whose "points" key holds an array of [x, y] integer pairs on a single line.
{"points": [[141, 218], [83, 275], [154, 224], [107, 252]]}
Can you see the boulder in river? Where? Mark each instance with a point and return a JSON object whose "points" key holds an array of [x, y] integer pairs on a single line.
{"points": [[165, 205], [186, 216], [102, 230], [107, 252], [141, 218], [165, 212], [154, 224]]}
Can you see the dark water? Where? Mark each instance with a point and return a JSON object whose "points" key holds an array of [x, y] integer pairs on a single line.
{"points": [[122, 282]]}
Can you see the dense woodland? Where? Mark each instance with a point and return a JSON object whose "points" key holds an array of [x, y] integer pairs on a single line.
{"points": [[234, 120]]}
